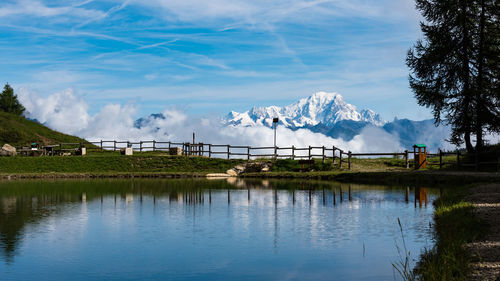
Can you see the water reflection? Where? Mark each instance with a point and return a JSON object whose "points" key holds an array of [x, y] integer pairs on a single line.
{"points": [[287, 211], [421, 196]]}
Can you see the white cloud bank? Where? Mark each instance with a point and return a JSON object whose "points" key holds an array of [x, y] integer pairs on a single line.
{"points": [[66, 112]]}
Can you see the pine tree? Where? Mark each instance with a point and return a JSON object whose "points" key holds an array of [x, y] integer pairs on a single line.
{"points": [[9, 102], [454, 70], [487, 67]]}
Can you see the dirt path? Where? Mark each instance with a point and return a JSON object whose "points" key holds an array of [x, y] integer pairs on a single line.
{"points": [[486, 199]]}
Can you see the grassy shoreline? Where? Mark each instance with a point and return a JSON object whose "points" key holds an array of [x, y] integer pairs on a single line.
{"points": [[110, 164], [434, 178], [454, 226]]}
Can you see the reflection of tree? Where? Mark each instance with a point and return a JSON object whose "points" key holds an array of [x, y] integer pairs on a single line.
{"points": [[27, 202], [15, 213]]}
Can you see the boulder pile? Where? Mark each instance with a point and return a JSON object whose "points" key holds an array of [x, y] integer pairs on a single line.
{"points": [[250, 167], [8, 150]]}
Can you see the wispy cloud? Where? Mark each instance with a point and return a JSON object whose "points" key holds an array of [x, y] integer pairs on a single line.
{"points": [[36, 8], [238, 53], [102, 16]]}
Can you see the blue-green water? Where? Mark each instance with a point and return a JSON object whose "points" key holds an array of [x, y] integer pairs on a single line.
{"points": [[207, 230]]}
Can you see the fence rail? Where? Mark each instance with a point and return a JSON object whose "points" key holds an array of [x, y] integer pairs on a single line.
{"points": [[338, 156]]}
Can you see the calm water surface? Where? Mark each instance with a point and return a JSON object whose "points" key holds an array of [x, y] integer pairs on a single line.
{"points": [[207, 230]]}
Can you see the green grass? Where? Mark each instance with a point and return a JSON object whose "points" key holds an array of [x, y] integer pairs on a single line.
{"points": [[289, 165], [18, 131], [114, 163], [455, 225], [383, 163]]}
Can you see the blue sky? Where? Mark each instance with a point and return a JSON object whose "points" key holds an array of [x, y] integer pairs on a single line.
{"points": [[210, 57]]}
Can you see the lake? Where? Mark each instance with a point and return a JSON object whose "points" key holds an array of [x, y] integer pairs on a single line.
{"points": [[197, 229]]}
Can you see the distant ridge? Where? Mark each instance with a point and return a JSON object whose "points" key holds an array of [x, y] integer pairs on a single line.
{"points": [[329, 114]]}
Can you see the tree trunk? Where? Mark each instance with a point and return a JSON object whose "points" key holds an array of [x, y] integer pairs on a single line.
{"points": [[466, 92], [479, 90], [468, 143]]}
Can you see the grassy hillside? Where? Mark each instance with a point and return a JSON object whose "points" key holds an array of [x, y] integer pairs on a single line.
{"points": [[18, 131]]}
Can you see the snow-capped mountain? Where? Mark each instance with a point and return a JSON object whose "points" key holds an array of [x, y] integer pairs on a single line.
{"points": [[321, 108], [325, 113]]}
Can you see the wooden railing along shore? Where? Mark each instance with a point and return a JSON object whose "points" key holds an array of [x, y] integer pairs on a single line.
{"points": [[291, 152]]}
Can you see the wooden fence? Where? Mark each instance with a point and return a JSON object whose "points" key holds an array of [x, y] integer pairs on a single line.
{"points": [[311, 152], [323, 152], [232, 151], [475, 159]]}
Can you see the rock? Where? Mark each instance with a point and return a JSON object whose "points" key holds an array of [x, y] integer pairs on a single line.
{"points": [[239, 168], [232, 172], [253, 168], [8, 150], [265, 169], [216, 176]]}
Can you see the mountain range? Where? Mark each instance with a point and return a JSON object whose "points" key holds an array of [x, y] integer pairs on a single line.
{"points": [[331, 115]]}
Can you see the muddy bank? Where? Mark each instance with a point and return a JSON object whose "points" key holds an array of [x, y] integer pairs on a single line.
{"points": [[486, 252]]}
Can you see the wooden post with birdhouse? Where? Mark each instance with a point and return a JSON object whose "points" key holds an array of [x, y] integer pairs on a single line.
{"points": [[420, 156]]}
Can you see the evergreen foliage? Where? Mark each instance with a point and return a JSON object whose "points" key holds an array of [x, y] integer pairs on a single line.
{"points": [[9, 102], [455, 69]]}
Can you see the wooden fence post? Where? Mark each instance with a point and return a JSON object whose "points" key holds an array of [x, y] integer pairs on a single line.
{"points": [[323, 154], [169, 147], [340, 158], [114, 145], [309, 153], [248, 153], [407, 160], [154, 145], [275, 152], [210, 151], [333, 155], [293, 152], [349, 160], [101, 145], [228, 151], [140, 146]]}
